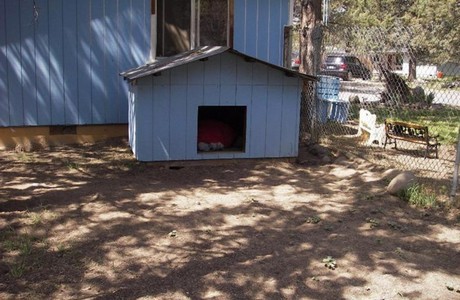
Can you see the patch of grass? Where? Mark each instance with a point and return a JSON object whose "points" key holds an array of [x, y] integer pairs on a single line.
{"points": [[373, 222], [443, 121], [394, 225], [418, 195], [37, 218], [17, 269], [63, 249], [25, 157], [443, 83], [20, 243], [20, 247], [313, 220], [71, 165], [400, 252]]}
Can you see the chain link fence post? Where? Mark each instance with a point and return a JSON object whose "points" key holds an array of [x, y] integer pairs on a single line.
{"points": [[456, 170]]}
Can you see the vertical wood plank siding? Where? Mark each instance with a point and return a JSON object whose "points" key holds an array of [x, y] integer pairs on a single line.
{"points": [[61, 68], [258, 28], [12, 49], [4, 101], [164, 113]]}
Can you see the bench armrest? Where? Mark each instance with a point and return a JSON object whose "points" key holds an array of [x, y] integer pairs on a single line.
{"points": [[434, 138]]}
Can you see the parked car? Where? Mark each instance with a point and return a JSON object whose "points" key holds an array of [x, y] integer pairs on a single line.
{"points": [[344, 66]]}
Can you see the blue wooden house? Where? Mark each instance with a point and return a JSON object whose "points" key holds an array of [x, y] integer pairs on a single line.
{"points": [[169, 99], [60, 60]]}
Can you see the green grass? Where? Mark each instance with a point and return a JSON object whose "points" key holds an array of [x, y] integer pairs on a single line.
{"points": [[18, 269], [438, 83], [444, 121], [19, 244], [41, 216], [418, 195], [72, 165], [25, 157], [22, 246]]}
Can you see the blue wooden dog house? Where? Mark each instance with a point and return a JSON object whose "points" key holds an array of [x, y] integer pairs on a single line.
{"points": [[170, 97]]}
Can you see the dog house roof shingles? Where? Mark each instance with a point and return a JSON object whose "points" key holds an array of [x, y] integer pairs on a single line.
{"points": [[194, 55]]}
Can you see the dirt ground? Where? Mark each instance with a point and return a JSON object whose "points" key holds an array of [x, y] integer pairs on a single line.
{"points": [[90, 222]]}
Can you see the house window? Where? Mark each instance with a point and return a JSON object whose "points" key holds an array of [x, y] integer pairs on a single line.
{"points": [[186, 24], [213, 23], [221, 128], [173, 31]]}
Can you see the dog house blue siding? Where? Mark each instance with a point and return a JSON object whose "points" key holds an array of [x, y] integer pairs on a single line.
{"points": [[61, 66], [164, 108], [259, 26]]}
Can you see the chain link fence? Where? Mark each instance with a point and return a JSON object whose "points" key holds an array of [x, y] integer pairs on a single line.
{"points": [[372, 79]]}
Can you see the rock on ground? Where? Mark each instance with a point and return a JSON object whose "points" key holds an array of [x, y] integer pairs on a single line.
{"points": [[401, 182]]}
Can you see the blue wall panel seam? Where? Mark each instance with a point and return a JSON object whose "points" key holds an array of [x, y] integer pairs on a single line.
{"points": [[104, 73], [77, 99], [131, 21], [35, 72], [131, 30], [220, 80], [7, 84], [119, 92], [152, 135], [282, 121], [22, 67], [280, 46], [186, 111], [186, 116], [169, 116], [91, 60], [49, 68], [268, 29], [62, 67], [245, 27], [36, 76], [266, 119], [257, 28]]}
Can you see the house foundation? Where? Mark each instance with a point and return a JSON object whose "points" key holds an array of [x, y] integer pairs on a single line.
{"points": [[43, 137]]}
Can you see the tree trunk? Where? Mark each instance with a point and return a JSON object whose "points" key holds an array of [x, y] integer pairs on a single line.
{"points": [[311, 36], [412, 67]]}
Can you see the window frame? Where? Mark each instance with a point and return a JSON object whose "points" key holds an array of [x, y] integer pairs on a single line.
{"points": [[195, 32]]}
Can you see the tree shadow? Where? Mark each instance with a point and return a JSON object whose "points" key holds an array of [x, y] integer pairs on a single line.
{"points": [[251, 229]]}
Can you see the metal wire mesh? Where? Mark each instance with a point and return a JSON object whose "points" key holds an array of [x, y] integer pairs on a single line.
{"points": [[382, 78]]}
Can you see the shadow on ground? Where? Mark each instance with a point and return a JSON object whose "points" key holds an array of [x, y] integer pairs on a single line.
{"points": [[91, 222]]}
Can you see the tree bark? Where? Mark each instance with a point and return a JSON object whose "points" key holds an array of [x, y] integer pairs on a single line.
{"points": [[412, 67], [311, 35]]}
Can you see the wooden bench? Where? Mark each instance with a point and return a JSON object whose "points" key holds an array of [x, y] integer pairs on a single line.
{"points": [[368, 123], [409, 132]]}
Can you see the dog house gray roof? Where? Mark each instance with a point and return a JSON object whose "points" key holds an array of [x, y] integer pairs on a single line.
{"points": [[199, 54]]}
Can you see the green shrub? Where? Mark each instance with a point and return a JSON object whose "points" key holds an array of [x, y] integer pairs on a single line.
{"points": [[418, 195]]}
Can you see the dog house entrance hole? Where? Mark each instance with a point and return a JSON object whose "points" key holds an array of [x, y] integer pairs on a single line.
{"points": [[221, 128]]}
